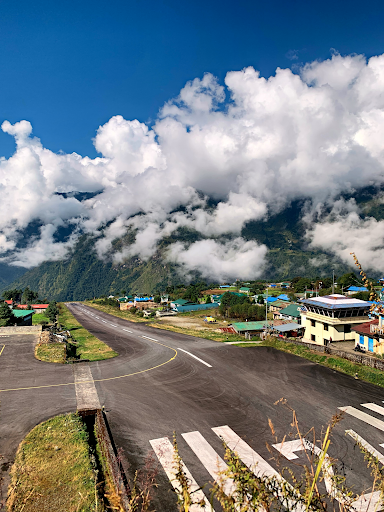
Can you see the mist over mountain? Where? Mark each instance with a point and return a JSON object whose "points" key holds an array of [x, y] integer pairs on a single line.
{"points": [[259, 177]]}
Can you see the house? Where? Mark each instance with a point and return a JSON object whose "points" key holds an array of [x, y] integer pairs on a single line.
{"points": [[186, 308], [180, 302], [9, 302], [124, 306], [224, 286], [291, 312], [24, 317], [271, 299], [283, 296], [369, 336], [331, 318], [250, 327], [355, 289], [278, 305], [244, 289], [37, 308]]}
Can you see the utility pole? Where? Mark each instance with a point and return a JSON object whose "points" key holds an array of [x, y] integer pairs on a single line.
{"points": [[333, 282], [266, 313]]}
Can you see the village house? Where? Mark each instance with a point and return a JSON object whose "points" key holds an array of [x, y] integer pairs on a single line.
{"points": [[331, 318], [291, 313]]}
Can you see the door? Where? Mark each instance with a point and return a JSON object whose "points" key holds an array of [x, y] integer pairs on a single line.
{"points": [[370, 344]]}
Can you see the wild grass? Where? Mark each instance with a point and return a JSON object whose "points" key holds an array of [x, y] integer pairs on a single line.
{"points": [[88, 346], [115, 311], [362, 372], [51, 352], [53, 470], [39, 318]]}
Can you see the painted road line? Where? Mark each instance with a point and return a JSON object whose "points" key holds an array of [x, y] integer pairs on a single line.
{"points": [[1, 351], [148, 338], [86, 394], [254, 462], [165, 452], [366, 445], [212, 462], [127, 330], [367, 418], [198, 358], [374, 408], [113, 325]]}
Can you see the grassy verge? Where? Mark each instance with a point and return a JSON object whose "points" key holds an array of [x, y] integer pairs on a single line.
{"points": [[365, 373], [39, 318], [206, 334], [51, 352], [88, 346], [53, 470]]}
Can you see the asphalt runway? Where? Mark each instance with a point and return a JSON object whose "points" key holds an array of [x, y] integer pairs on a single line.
{"points": [[156, 387]]}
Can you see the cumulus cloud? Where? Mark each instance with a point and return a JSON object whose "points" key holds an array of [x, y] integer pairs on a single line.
{"points": [[252, 145], [349, 234], [219, 261]]}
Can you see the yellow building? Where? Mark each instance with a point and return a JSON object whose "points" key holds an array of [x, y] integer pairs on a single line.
{"points": [[331, 318]]}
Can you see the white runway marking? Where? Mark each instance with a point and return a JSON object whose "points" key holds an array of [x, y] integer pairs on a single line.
{"points": [[253, 460], [198, 358], [148, 338], [113, 325], [127, 330], [212, 462], [366, 445], [374, 407], [367, 418], [165, 453]]}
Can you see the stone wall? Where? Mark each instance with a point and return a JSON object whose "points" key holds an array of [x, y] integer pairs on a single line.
{"points": [[366, 360], [22, 329]]}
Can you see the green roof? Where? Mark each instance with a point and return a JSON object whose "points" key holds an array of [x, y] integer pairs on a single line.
{"points": [[181, 302], [19, 313], [291, 310], [279, 303], [249, 326], [245, 289]]}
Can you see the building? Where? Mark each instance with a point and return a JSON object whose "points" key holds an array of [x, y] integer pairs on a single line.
{"points": [[244, 289], [291, 330], [291, 313], [356, 289], [369, 336], [331, 318], [180, 302], [249, 327], [37, 308], [278, 305], [23, 316], [186, 308]]}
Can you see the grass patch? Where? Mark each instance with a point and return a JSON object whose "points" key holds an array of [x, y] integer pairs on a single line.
{"points": [[53, 470], [51, 352], [365, 373], [115, 311], [40, 318], [88, 346]]}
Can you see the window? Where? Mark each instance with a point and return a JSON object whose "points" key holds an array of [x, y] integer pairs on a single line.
{"points": [[325, 327], [313, 337], [347, 328], [313, 323]]}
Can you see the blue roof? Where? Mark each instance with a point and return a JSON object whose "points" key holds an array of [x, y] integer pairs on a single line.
{"points": [[357, 289], [320, 302], [283, 296], [271, 299]]}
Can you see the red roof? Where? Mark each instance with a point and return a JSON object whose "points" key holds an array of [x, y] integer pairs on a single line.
{"points": [[365, 328], [9, 301], [33, 306]]}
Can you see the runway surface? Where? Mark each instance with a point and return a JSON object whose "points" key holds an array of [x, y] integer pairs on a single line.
{"points": [[163, 382]]}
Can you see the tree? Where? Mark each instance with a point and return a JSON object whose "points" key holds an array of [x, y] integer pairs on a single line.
{"points": [[302, 284], [157, 299], [6, 315], [29, 296], [347, 280], [52, 311], [208, 299], [260, 299]]}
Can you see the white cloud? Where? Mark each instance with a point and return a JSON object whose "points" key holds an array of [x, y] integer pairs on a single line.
{"points": [[364, 237], [287, 137], [219, 261]]}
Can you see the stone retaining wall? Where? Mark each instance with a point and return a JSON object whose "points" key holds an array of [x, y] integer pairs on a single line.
{"points": [[374, 362], [22, 329]]}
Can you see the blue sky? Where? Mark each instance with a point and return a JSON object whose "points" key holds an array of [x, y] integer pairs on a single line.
{"points": [[68, 66]]}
